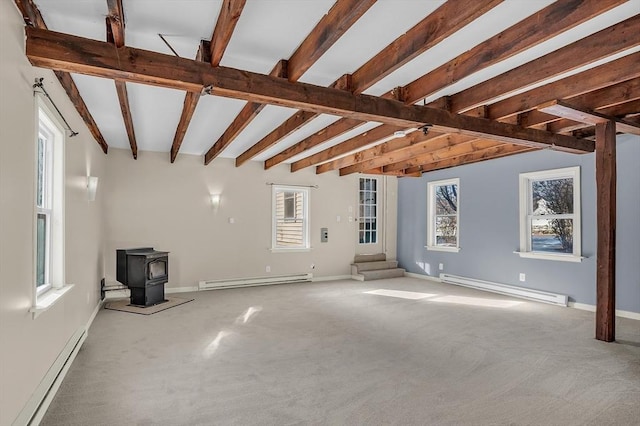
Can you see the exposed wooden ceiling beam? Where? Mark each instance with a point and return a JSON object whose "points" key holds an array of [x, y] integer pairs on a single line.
{"points": [[577, 84], [611, 40], [356, 142], [438, 25], [383, 154], [332, 131], [227, 19], [242, 120], [465, 146], [605, 75], [558, 17], [123, 99], [561, 16], [342, 15], [76, 54], [584, 115], [293, 123], [381, 149], [398, 173], [620, 110], [115, 34], [427, 145], [493, 152], [33, 18]]}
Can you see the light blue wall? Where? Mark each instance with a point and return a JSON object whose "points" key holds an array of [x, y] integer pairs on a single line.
{"points": [[489, 225]]}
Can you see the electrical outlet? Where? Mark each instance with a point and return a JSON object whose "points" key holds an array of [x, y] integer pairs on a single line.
{"points": [[268, 269], [523, 277], [441, 266], [232, 220], [338, 218]]}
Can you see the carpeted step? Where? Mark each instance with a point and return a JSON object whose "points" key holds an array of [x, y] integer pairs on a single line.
{"points": [[356, 268], [382, 273], [361, 258]]}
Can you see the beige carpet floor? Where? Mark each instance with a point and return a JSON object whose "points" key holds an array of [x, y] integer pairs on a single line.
{"points": [[331, 353]]}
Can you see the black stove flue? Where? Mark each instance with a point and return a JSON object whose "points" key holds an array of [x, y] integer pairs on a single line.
{"points": [[145, 271]]}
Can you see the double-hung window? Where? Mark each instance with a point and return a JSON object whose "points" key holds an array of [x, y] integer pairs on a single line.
{"points": [[443, 215], [49, 203], [290, 218], [550, 214]]}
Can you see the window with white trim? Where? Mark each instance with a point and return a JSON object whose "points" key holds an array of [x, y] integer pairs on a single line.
{"points": [[368, 211], [443, 215], [550, 214], [290, 218], [49, 203]]}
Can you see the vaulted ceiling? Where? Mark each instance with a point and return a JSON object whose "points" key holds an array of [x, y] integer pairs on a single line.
{"points": [[397, 87]]}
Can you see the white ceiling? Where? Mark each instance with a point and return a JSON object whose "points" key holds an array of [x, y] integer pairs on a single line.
{"points": [[270, 30]]}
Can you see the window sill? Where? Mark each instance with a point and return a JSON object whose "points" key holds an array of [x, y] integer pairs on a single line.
{"points": [[556, 257], [48, 299], [438, 248], [290, 250]]}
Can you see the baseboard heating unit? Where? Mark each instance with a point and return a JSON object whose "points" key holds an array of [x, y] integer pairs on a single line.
{"points": [[251, 282], [525, 293]]}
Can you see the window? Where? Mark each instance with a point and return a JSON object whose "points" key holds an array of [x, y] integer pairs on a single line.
{"points": [[49, 203], [290, 218], [443, 215], [368, 211], [550, 214], [290, 205]]}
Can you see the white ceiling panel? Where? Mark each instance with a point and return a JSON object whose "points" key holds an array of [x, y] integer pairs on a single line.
{"points": [[479, 30], [331, 142], [155, 112], [307, 130], [99, 94], [211, 118], [379, 26], [268, 119], [268, 31]]}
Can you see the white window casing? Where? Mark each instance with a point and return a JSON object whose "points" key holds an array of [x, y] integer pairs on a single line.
{"points": [[448, 215], [48, 207], [290, 218], [544, 224]]}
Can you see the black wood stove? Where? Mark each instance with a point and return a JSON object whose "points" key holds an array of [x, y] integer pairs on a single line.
{"points": [[145, 271]]}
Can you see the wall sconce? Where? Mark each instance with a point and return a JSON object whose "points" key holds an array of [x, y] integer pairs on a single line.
{"points": [[215, 201], [92, 187]]}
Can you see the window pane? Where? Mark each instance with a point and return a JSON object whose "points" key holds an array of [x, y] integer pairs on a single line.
{"points": [[289, 205], [554, 235], [41, 176], [446, 228], [554, 196], [41, 250], [446, 199]]}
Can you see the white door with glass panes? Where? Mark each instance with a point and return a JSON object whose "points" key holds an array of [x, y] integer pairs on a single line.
{"points": [[369, 210]]}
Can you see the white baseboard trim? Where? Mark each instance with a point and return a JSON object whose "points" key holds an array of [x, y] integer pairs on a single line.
{"points": [[331, 278], [171, 290], [423, 277], [592, 308], [37, 406], [357, 277], [35, 409]]}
